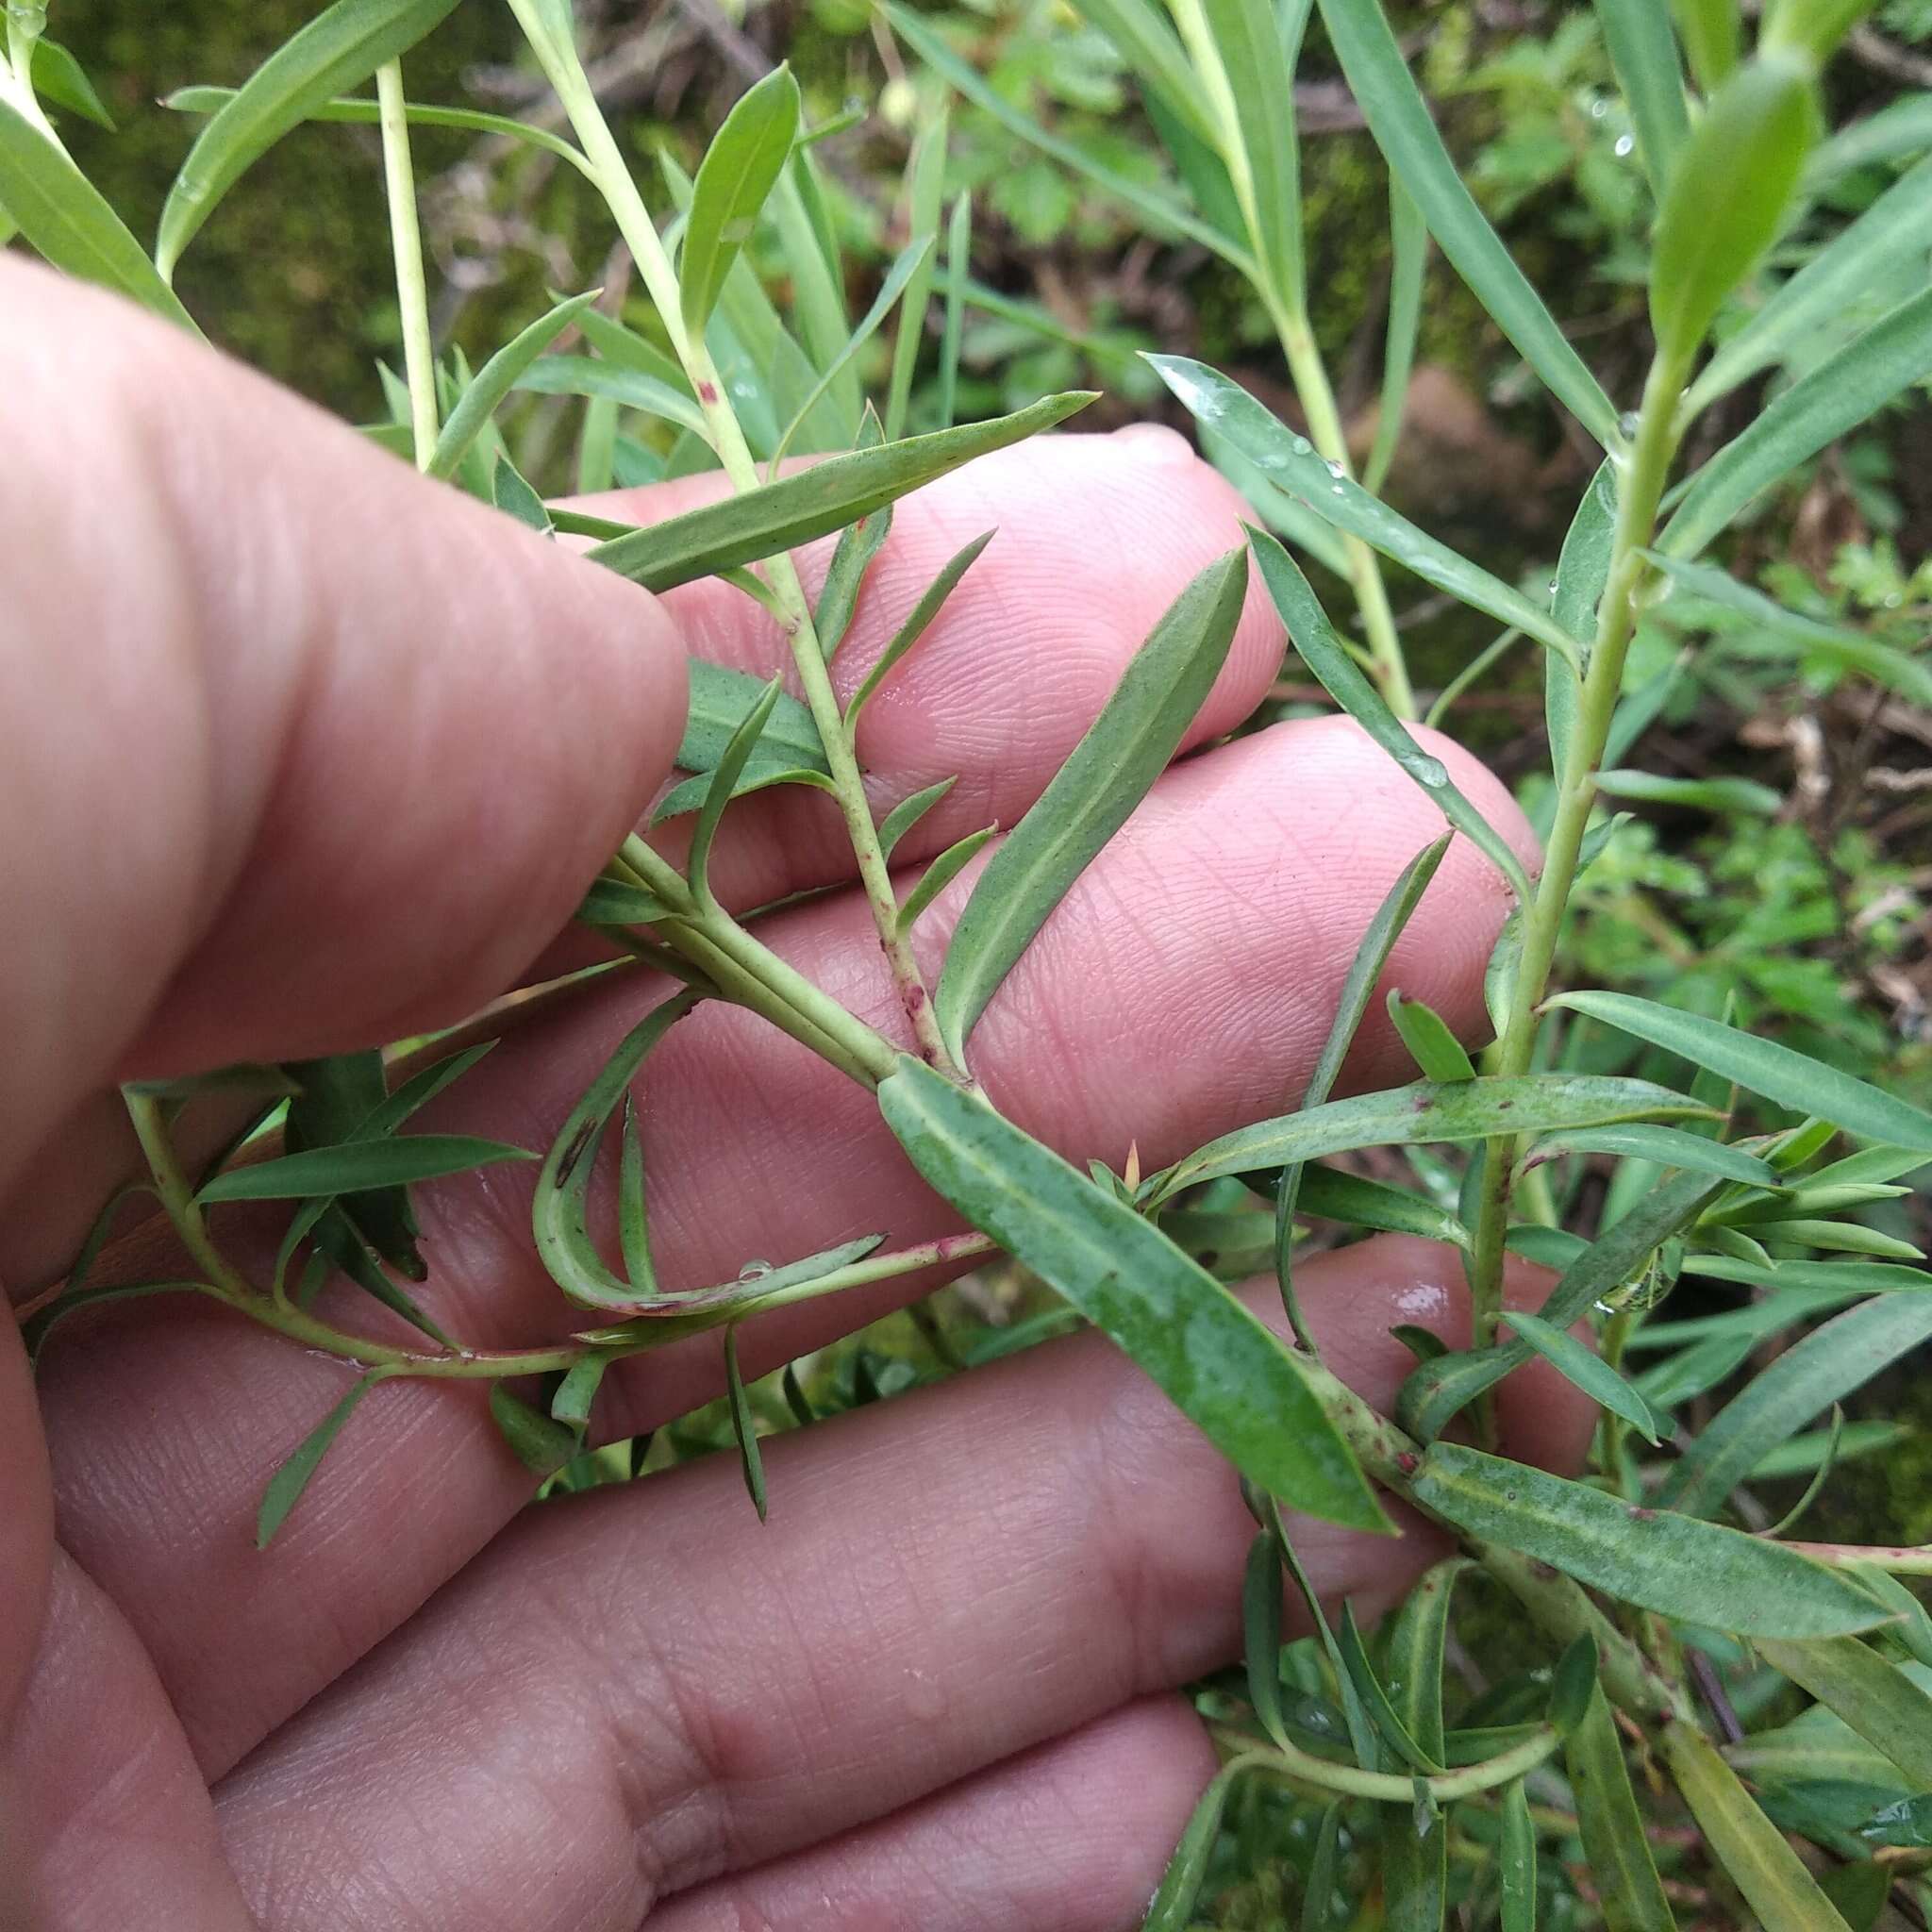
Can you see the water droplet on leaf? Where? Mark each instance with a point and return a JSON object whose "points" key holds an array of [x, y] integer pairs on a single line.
{"points": [[753, 1271], [1625, 144]]}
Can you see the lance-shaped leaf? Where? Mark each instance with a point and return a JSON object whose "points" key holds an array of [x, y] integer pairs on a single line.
{"points": [[744, 1425], [67, 219], [1261, 1632], [1580, 1365], [926, 174], [286, 1485], [916, 623], [1415, 1115], [1879, 1701], [1434, 1049], [635, 388], [1667, 1146], [907, 814], [815, 501], [357, 110], [1803, 1381], [1415, 1853], [740, 167], [1792, 1079], [1516, 1864], [357, 1164], [1173, 1905], [1678, 1566], [1325, 655], [1645, 55], [1404, 130], [1836, 276], [1611, 1827], [558, 1211], [940, 874], [495, 379], [1781, 1892], [1329, 1194], [1293, 463], [1744, 158], [852, 556], [541, 1445], [1582, 571], [58, 76], [1408, 261], [341, 47], [1105, 776], [1839, 394], [1236, 1382], [722, 785], [1710, 29]]}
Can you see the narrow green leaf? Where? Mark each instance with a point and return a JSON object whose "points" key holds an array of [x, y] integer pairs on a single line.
{"points": [[1407, 1116], [1258, 74], [1389, 1722], [737, 171], [633, 1208], [1090, 797], [1325, 654], [1233, 1378], [58, 76], [356, 1165], [1745, 157], [1711, 32], [1318, 1902], [1875, 1698], [35, 1329], [723, 781], [1404, 130], [609, 903], [1582, 571], [515, 496], [1415, 1656], [1901, 127], [1409, 257], [541, 1445], [759, 774], [1434, 1049], [859, 544], [1654, 1559], [1291, 462], [1839, 275], [1166, 215], [1329, 1194], [915, 625], [1782, 1894], [1667, 1146], [68, 222], [1704, 794], [1262, 1633], [286, 1485], [1573, 1684], [1580, 1365], [907, 814], [744, 1425], [1911, 678], [1839, 394], [584, 376], [1140, 34], [341, 47], [338, 1101], [1826, 1367], [494, 380], [1173, 1907], [815, 501], [1763, 1066], [926, 171], [356, 110], [1645, 54], [558, 1208], [958, 268], [940, 874], [1516, 1864], [1630, 1893]]}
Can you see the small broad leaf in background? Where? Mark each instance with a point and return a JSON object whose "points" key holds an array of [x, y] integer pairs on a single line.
{"points": [[356, 1165], [1744, 158], [1105, 776], [1324, 653], [1906, 1822], [1778, 1073], [68, 222], [721, 700], [58, 76], [814, 502], [1404, 130], [341, 47], [737, 171], [1431, 1046], [1875, 1698], [286, 1485], [1658, 1560], [1630, 1893], [1229, 1375], [1754, 1854], [540, 1444]]}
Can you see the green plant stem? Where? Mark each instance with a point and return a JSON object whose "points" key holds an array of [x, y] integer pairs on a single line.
{"points": [[1386, 1788], [1901, 1559], [634, 222], [412, 293], [1641, 486], [1385, 664], [175, 1192]]}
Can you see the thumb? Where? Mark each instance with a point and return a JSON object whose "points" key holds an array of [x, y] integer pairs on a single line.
{"points": [[325, 753]]}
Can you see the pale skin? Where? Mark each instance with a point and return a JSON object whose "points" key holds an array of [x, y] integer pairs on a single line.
{"points": [[305, 753]]}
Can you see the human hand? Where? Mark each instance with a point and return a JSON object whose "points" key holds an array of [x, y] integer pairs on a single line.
{"points": [[307, 753]]}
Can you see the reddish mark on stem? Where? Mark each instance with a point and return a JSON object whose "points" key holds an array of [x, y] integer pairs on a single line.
{"points": [[1409, 1462], [708, 391], [915, 996]]}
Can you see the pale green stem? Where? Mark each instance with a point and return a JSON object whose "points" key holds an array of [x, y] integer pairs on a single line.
{"points": [[21, 96], [1901, 1559], [1641, 486], [412, 294], [641, 236], [1386, 1788]]}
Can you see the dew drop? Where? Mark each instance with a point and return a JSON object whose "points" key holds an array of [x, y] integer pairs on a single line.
{"points": [[1625, 144], [1555, 587], [1336, 489], [753, 1271], [1598, 110], [1629, 422], [1335, 470], [1302, 447], [1893, 599]]}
